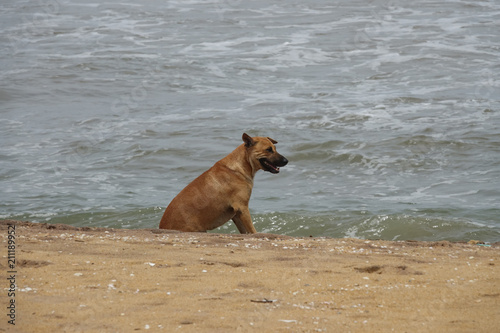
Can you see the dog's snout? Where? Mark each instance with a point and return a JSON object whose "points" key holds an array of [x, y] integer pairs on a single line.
{"points": [[284, 161]]}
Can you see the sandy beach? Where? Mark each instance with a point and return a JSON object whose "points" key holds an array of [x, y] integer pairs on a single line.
{"points": [[70, 279]]}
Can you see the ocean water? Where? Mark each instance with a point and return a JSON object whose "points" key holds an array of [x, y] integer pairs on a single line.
{"points": [[388, 111]]}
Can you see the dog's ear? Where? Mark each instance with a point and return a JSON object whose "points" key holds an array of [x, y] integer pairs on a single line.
{"points": [[272, 140], [248, 140]]}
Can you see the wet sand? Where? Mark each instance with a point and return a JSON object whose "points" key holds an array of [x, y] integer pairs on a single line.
{"points": [[115, 280]]}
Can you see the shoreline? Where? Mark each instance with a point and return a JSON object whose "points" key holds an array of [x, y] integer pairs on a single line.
{"points": [[100, 279]]}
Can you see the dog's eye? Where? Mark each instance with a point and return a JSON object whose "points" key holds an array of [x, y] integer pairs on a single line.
{"points": [[270, 149]]}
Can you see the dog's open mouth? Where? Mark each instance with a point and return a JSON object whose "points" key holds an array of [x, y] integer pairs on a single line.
{"points": [[268, 166]]}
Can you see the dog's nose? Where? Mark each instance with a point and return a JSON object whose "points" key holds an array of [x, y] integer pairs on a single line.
{"points": [[284, 161]]}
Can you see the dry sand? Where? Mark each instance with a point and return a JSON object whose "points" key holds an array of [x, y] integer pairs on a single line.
{"points": [[113, 280]]}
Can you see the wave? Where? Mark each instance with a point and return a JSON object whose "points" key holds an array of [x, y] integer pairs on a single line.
{"points": [[429, 225], [361, 224]]}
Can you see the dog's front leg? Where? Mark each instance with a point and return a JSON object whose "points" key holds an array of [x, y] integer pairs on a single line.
{"points": [[243, 222]]}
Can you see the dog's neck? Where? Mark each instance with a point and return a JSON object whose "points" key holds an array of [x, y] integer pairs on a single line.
{"points": [[238, 162]]}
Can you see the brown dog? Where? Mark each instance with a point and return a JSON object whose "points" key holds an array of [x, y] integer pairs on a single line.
{"points": [[222, 192]]}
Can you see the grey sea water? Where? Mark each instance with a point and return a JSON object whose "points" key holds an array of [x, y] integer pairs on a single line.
{"points": [[389, 112]]}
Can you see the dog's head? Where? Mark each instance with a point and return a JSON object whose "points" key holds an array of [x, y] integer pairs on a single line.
{"points": [[263, 152]]}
